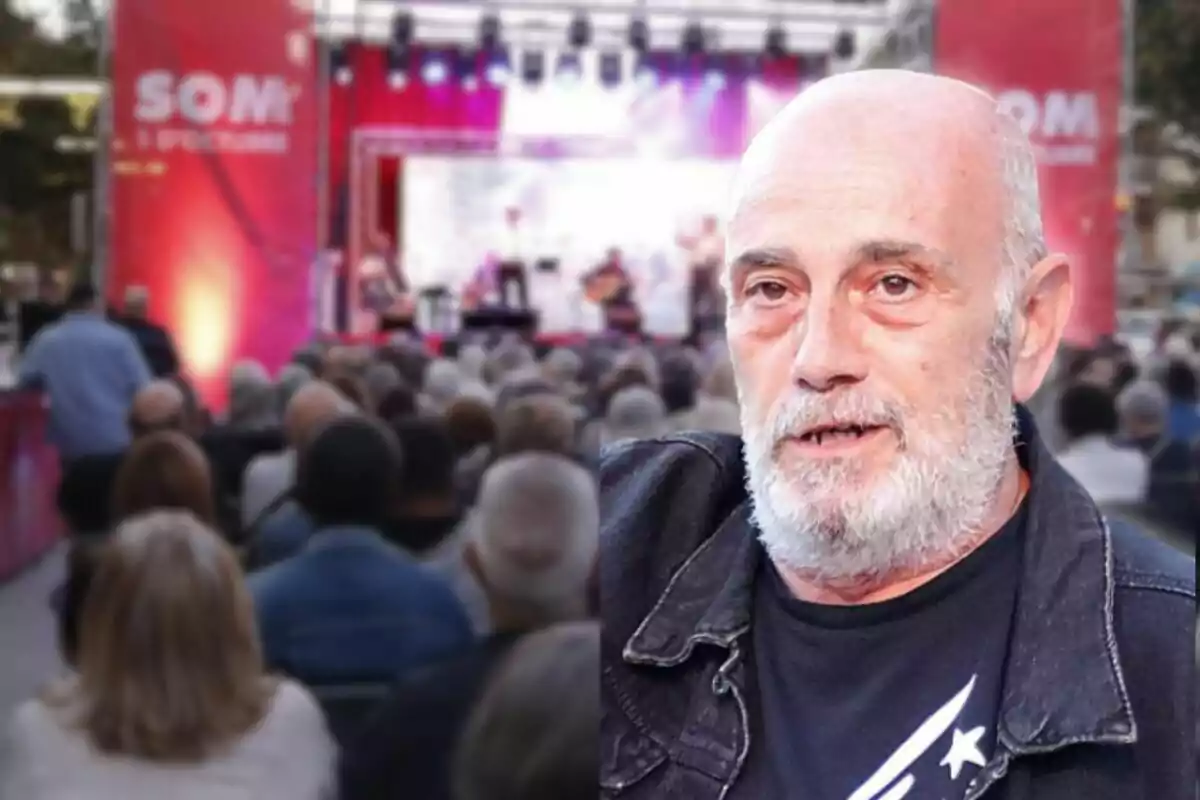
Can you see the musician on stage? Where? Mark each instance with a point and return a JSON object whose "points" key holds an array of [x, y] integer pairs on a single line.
{"points": [[705, 252], [383, 288], [515, 250], [610, 285]]}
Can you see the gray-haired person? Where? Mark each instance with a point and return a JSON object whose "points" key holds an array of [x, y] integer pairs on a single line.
{"points": [[530, 552]]}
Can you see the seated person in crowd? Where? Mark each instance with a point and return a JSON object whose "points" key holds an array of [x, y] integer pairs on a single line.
{"points": [[169, 696], [1173, 491], [527, 505], [472, 426], [1181, 382], [532, 552], [350, 607], [269, 477], [542, 422], [86, 486], [164, 470], [400, 401], [1110, 473], [426, 510], [535, 734]]}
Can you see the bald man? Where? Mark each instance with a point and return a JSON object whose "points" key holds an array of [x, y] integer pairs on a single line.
{"points": [[269, 477], [159, 406], [154, 340], [886, 587]]}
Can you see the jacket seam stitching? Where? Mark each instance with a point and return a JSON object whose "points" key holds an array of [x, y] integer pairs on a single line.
{"points": [[1146, 581]]}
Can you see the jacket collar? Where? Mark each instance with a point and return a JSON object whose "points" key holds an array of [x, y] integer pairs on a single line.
{"points": [[346, 537], [1063, 680]]}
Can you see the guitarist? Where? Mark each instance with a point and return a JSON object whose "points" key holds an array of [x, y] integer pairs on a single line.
{"points": [[383, 288], [609, 285]]}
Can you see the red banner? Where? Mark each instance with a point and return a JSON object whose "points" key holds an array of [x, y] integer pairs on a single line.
{"points": [[1057, 67], [214, 175]]}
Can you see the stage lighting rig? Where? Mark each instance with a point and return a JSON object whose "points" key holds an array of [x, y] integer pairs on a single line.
{"points": [[434, 71], [569, 69], [465, 69], [715, 77], [498, 68], [533, 67], [402, 31], [775, 45], [844, 45], [339, 65], [397, 66], [644, 73], [489, 32], [694, 40], [639, 35], [610, 69], [579, 31]]}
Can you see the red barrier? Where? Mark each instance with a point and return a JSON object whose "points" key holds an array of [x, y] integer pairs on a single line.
{"points": [[29, 521]]}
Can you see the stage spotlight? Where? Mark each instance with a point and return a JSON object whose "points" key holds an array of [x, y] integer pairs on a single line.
{"points": [[402, 30], [639, 35], [435, 71], [568, 69], [489, 32], [498, 69], [844, 45], [693, 39], [610, 69], [775, 45], [397, 65], [644, 73], [464, 69], [714, 79], [339, 66], [579, 32], [533, 67]]}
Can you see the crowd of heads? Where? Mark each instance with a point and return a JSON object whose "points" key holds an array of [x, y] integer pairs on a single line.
{"points": [[1111, 407], [478, 464]]}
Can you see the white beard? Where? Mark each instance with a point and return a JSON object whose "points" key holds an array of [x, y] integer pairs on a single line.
{"points": [[822, 519]]}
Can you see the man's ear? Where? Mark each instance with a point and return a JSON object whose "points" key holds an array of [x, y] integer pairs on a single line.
{"points": [[1042, 317]]}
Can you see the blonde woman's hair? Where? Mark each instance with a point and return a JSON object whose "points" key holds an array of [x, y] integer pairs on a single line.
{"points": [[169, 667]]}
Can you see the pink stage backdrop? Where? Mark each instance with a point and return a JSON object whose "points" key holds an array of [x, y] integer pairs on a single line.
{"points": [[215, 175], [1057, 67]]}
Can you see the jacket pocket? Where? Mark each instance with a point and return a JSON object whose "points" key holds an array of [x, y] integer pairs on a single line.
{"points": [[627, 760]]}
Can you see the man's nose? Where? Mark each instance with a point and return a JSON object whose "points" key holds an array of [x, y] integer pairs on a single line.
{"points": [[829, 353]]}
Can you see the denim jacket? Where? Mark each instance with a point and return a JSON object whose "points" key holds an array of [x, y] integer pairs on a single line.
{"points": [[1099, 684]]}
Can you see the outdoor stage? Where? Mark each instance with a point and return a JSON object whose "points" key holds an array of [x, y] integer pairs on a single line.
{"points": [[588, 167], [241, 156]]}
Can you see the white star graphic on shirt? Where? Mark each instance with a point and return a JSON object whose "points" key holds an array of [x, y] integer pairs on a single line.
{"points": [[964, 748]]}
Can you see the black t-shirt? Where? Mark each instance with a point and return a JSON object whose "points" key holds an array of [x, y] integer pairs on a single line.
{"points": [[883, 701]]}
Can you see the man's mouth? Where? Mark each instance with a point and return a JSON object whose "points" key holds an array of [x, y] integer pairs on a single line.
{"points": [[833, 434]]}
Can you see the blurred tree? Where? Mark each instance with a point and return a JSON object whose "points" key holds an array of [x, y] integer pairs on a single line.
{"points": [[40, 176], [1167, 80], [39, 179]]}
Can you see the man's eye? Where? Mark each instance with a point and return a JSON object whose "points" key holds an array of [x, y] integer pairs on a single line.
{"points": [[772, 291], [896, 287]]}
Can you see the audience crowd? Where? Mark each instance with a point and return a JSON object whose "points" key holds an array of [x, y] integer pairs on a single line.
{"points": [[1129, 432], [374, 575]]}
